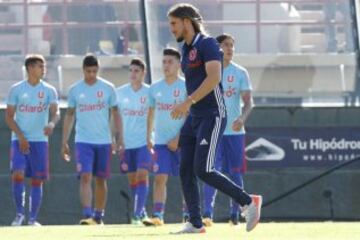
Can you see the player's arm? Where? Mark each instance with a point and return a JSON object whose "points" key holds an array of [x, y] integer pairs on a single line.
{"points": [[54, 118], [174, 143], [248, 102], [117, 127], [150, 127], [67, 127], [10, 121], [213, 77], [213, 73]]}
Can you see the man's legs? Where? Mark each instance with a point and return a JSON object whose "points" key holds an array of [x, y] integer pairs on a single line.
{"points": [[165, 162], [234, 206], [159, 195], [142, 180], [189, 183], [209, 193], [234, 166], [86, 195], [133, 187], [18, 166], [100, 198], [211, 130], [85, 156], [143, 162], [35, 200], [38, 159], [18, 193], [101, 170], [128, 166], [190, 187]]}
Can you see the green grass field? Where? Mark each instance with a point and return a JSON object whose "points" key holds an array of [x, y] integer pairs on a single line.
{"points": [[268, 231]]}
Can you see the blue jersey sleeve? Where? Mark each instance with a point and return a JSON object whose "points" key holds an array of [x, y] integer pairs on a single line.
{"points": [[245, 84], [12, 98], [211, 50], [152, 97], [71, 98], [53, 96]]}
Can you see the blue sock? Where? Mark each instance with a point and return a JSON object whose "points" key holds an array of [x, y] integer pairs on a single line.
{"points": [[141, 197], [99, 214], [35, 199], [133, 191], [143, 213], [158, 209], [18, 191], [209, 200], [133, 188], [234, 206], [87, 212]]}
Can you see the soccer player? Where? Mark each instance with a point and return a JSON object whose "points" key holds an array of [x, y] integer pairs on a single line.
{"points": [[202, 66], [27, 114], [92, 101], [133, 102], [164, 94], [230, 156]]}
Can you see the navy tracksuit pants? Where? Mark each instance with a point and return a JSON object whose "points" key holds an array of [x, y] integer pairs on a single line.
{"points": [[199, 139]]}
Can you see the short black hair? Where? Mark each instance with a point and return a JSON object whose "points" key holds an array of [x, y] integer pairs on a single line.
{"points": [[223, 37], [32, 59], [172, 52], [90, 60], [138, 62]]}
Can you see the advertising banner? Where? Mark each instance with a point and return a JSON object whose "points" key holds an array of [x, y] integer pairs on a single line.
{"points": [[301, 147]]}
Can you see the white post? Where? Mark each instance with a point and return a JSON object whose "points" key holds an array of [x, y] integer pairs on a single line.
{"points": [[24, 72], [357, 10], [60, 80], [342, 77]]}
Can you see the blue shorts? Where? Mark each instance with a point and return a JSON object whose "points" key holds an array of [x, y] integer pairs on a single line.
{"points": [[35, 164], [93, 158], [230, 156], [134, 159], [166, 161]]}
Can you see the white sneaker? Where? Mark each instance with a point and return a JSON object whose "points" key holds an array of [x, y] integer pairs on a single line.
{"points": [[189, 228], [252, 212], [19, 219], [34, 223]]}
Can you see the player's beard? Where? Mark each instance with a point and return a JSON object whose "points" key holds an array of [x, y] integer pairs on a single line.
{"points": [[180, 39]]}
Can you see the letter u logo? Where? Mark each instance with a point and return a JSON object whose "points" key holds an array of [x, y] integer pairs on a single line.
{"points": [[192, 54], [99, 94], [230, 78], [41, 94], [176, 92]]}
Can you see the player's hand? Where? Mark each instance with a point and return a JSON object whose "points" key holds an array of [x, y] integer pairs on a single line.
{"points": [[65, 152], [155, 167], [181, 110], [48, 129], [173, 144], [120, 147], [113, 148], [124, 167], [238, 124], [150, 144], [24, 145]]}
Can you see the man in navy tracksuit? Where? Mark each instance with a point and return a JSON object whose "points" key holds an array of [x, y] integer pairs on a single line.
{"points": [[204, 126]]}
